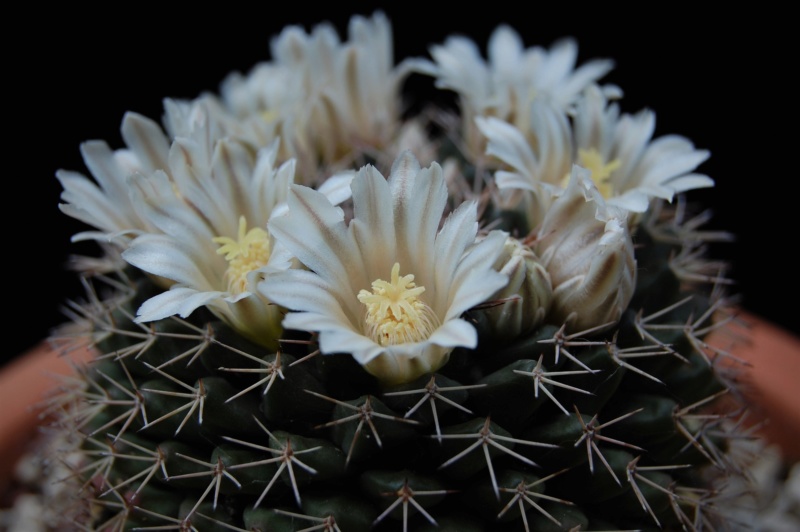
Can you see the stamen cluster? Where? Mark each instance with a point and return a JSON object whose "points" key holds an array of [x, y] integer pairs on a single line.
{"points": [[395, 313]]}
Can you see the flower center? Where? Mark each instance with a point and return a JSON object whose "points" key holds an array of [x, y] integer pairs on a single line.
{"points": [[249, 252], [395, 314], [601, 171]]}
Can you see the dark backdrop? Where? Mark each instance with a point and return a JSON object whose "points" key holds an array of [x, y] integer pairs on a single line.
{"points": [[72, 81]]}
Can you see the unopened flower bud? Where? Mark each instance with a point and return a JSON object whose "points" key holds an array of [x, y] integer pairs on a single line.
{"points": [[586, 248], [522, 304]]}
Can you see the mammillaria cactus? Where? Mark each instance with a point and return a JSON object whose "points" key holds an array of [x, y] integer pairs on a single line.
{"points": [[312, 313]]}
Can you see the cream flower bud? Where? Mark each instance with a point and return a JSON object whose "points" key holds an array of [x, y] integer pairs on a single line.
{"points": [[586, 247], [527, 296]]}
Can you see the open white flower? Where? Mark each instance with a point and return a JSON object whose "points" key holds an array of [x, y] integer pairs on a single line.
{"points": [[212, 239], [107, 202], [331, 101], [512, 78], [389, 287], [629, 167]]}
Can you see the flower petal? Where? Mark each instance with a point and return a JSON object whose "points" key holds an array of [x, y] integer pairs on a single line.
{"points": [[177, 300], [418, 203], [304, 291], [373, 226], [161, 256], [315, 232], [455, 333]]}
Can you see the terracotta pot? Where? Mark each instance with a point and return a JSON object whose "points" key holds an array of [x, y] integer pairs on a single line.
{"points": [[771, 383], [24, 384]]}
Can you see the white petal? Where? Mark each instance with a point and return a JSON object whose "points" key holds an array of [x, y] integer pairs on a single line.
{"points": [[87, 203], [341, 340], [560, 62], [175, 301], [632, 200], [373, 226], [402, 175], [100, 161], [504, 49], [417, 219], [421, 66], [231, 171], [588, 73], [690, 182], [175, 217], [477, 287], [315, 232], [270, 187], [305, 291], [475, 279], [549, 125], [681, 159], [512, 180], [508, 144], [455, 333], [457, 233], [337, 187], [159, 255], [146, 138]]}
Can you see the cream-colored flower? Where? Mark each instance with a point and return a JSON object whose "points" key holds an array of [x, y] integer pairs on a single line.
{"points": [[389, 288], [332, 102], [212, 238], [587, 249], [107, 202], [629, 167], [511, 79]]}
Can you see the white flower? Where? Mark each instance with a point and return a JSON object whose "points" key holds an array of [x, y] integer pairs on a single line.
{"points": [[586, 248], [331, 101], [512, 79], [212, 239], [107, 202], [389, 287], [629, 167]]}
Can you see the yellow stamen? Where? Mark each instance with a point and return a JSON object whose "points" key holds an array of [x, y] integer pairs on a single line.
{"points": [[601, 172], [248, 252], [395, 314]]}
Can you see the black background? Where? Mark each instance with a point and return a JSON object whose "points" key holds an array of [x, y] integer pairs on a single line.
{"points": [[72, 78]]}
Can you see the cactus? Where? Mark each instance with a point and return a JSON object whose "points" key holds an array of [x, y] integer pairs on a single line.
{"points": [[313, 314]]}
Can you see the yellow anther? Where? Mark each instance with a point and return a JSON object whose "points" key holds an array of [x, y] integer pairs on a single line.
{"points": [[248, 252], [395, 314], [601, 171]]}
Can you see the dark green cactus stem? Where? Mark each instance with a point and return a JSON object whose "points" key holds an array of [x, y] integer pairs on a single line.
{"points": [[187, 424]]}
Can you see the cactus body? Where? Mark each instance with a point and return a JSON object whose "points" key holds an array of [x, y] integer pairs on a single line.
{"points": [[593, 408], [540, 440]]}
